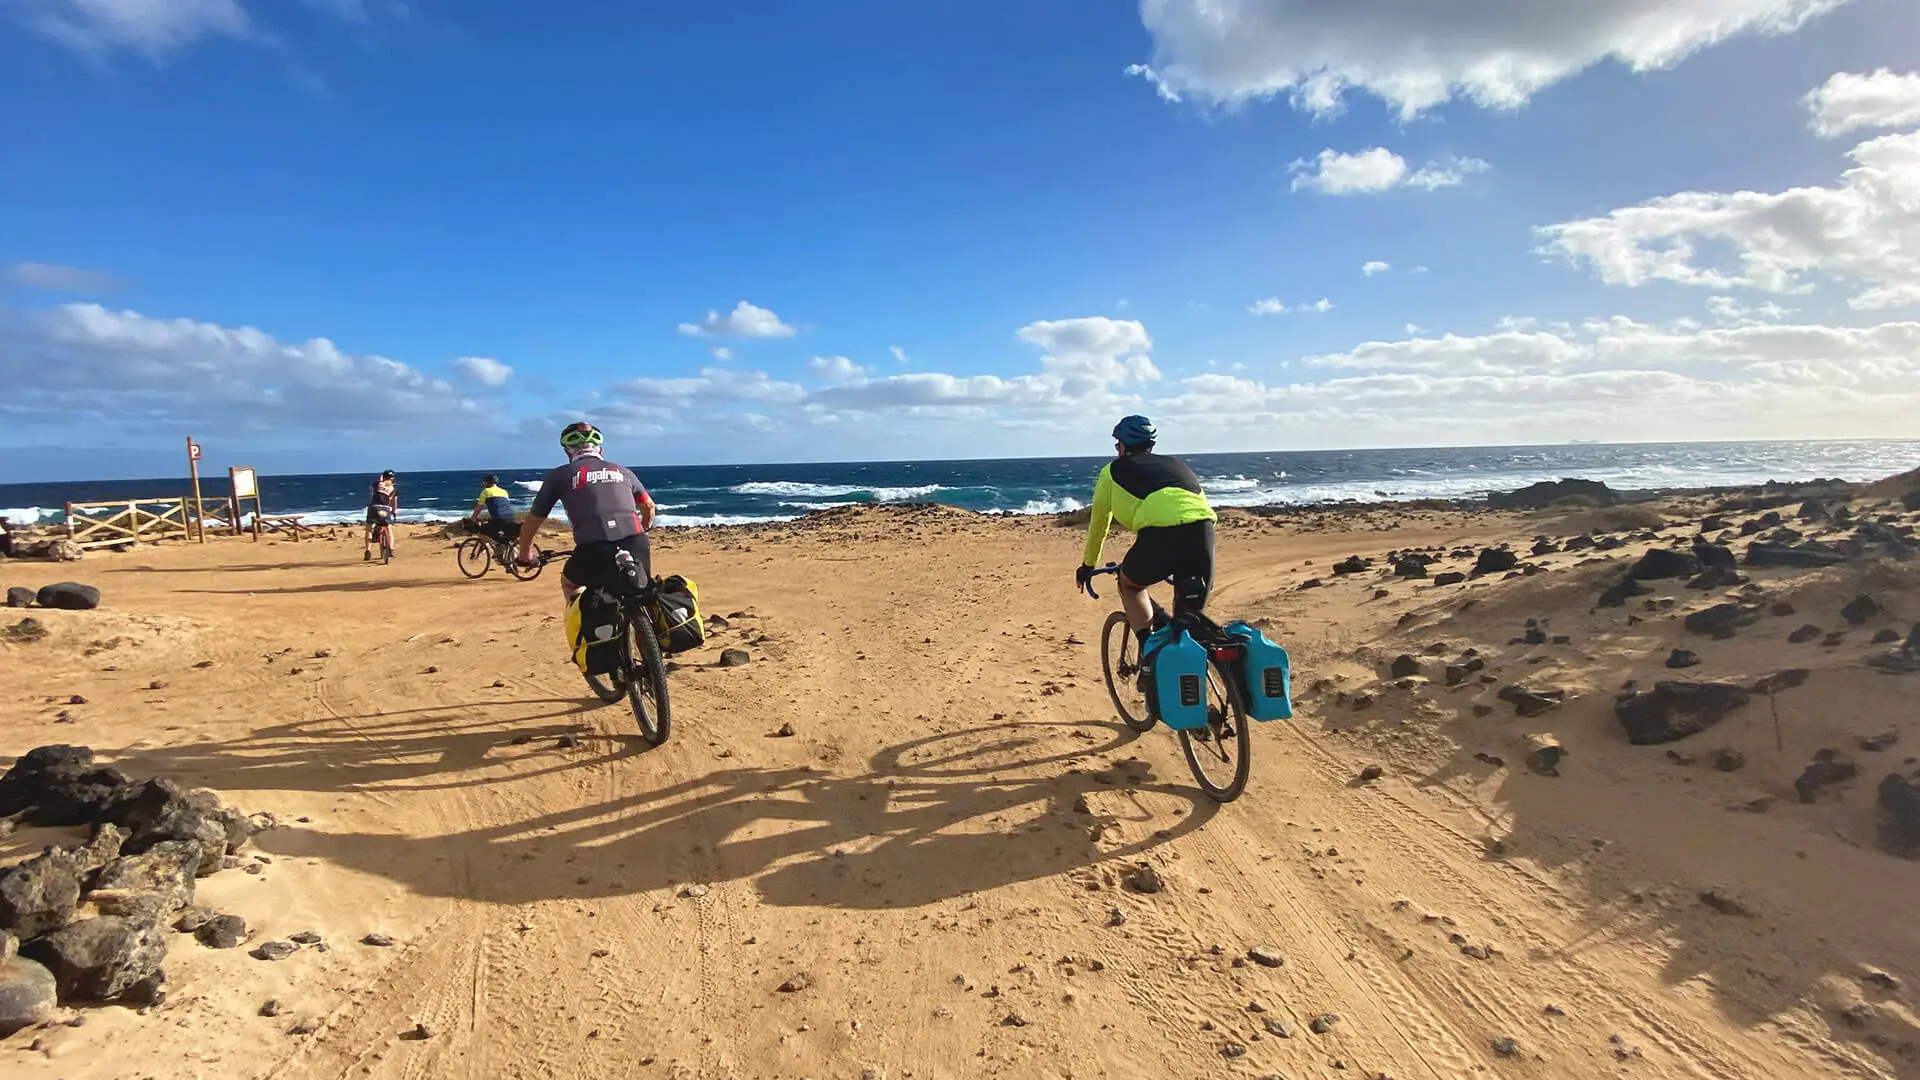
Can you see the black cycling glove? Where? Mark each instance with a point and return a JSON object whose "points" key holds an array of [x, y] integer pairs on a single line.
{"points": [[1083, 577]]}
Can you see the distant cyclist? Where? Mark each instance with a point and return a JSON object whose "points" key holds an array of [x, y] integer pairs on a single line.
{"points": [[1159, 499], [497, 505], [607, 506], [383, 505]]}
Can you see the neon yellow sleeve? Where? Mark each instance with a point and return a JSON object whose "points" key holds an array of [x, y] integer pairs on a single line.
{"points": [[1101, 517]]}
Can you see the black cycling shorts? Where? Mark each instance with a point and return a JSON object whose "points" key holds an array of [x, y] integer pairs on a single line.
{"points": [[592, 565], [1182, 554], [379, 514], [502, 532]]}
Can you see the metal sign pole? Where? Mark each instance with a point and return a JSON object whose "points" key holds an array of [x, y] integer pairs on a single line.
{"points": [[193, 469]]}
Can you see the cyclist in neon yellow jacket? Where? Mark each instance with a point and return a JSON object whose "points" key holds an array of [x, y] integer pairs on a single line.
{"points": [[1159, 500]]}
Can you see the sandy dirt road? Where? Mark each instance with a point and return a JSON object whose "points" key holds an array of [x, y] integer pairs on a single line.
{"points": [[936, 861]]}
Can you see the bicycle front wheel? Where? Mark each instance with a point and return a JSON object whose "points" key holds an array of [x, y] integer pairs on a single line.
{"points": [[527, 573], [1120, 657], [646, 675], [474, 557], [1220, 754]]}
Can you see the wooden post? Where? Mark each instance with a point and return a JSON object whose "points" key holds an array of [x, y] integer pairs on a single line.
{"points": [[69, 521], [193, 469]]}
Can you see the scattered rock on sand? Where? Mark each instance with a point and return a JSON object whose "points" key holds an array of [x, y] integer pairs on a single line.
{"points": [[18, 597], [1674, 710], [1410, 568], [222, 932], [69, 596], [272, 1007], [1861, 608], [1266, 956], [1874, 744], [1403, 666], [1828, 768], [1724, 904], [1720, 620], [1505, 1047], [28, 994], [1495, 561], [1528, 702], [1807, 556], [1143, 878], [1621, 591], [1323, 1023], [274, 950], [1451, 577], [379, 941], [1660, 563], [1804, 634], [102, 959], [735, 658], [1781, 608], [1886, 636], [27, 630], [1369, 774], [798, 981], [153, 884], [1547, 492], [1544, 754], [1277, 1027], [1900, 816], [1682, 658], [1352, 565], [1729, 761], [785, 731]]}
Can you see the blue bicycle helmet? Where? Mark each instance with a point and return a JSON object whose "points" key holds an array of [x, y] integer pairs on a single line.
{"points": [[1134, 431]]}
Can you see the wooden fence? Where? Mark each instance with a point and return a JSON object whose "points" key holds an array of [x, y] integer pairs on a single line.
{"points": [[108, 524]]}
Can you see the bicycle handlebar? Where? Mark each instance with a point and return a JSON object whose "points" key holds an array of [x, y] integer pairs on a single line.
{"points": [[1110, 568]]}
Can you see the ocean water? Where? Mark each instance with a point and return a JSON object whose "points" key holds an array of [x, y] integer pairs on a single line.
{"points": [[742, 494]]}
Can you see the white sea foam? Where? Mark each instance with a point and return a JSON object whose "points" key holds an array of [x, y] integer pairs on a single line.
{"points": [[31, 515], [795, 490]]}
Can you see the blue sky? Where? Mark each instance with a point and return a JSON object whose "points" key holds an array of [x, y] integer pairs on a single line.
{"points": [[338, 234]]}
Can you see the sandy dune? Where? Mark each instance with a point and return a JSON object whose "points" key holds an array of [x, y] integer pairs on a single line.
{"points": [[940, 853]]}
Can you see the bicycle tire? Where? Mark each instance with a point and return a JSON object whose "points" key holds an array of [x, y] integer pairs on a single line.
{"points": [[474, 550], [609, 688], [527, 573], [1116, 628], [1234, 712], [646, 676]]}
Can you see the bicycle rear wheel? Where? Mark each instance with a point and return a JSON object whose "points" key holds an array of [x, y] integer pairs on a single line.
{"points": [[1220, 754], [646, 674], [527, 573], [474, 556], [610, 687], [1120, 657]]}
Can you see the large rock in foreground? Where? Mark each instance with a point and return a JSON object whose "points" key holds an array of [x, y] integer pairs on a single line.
{"points": [[39, 895], [103, 959], [1900, 816], [70, 596], [151, 885], [28, 995], [1672, 711]]}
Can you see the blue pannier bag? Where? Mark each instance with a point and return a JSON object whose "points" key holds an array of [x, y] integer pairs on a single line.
{"points": [[1176, 678], [1266, 674]]}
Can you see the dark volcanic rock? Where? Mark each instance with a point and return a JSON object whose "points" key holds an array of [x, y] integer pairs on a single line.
{"points": [[1828, 768], [1805, 556], [1545, 547], [1495, 561], [1580, 543], [1804, 634], [1352, 565], [1625, 589], [28, 994], [1544, 494], [1860, 609], [222, 932], [1720, 619], [1900, 816], [69, 596], [1530, 702], [1451, 577], [155, 883], [77, 797], [38, 896], [1714, 555], [1660, 563], [1717, 577], [1674, 710], [26, 780], [101, 959], [18, 597], [735, 658], [1682, 658], [1886, 636], [1410, 568], [1403, 666]]}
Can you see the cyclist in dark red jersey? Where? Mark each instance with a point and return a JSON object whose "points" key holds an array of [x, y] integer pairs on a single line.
{"points": [[607, 506]]}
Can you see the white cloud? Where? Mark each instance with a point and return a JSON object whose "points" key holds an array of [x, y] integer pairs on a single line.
{"points": [[1322, 305], [745, 320], [722, 353], [836, 368], [899, 354], [1375, 266], [1378, 169], [1416, 54], [1730, 312], [153, 27], [1270, 306], [1848, 102], [712, 384], [484, 370], [84, 360], [1864, 231], [53, 277], [1334, 173]]}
